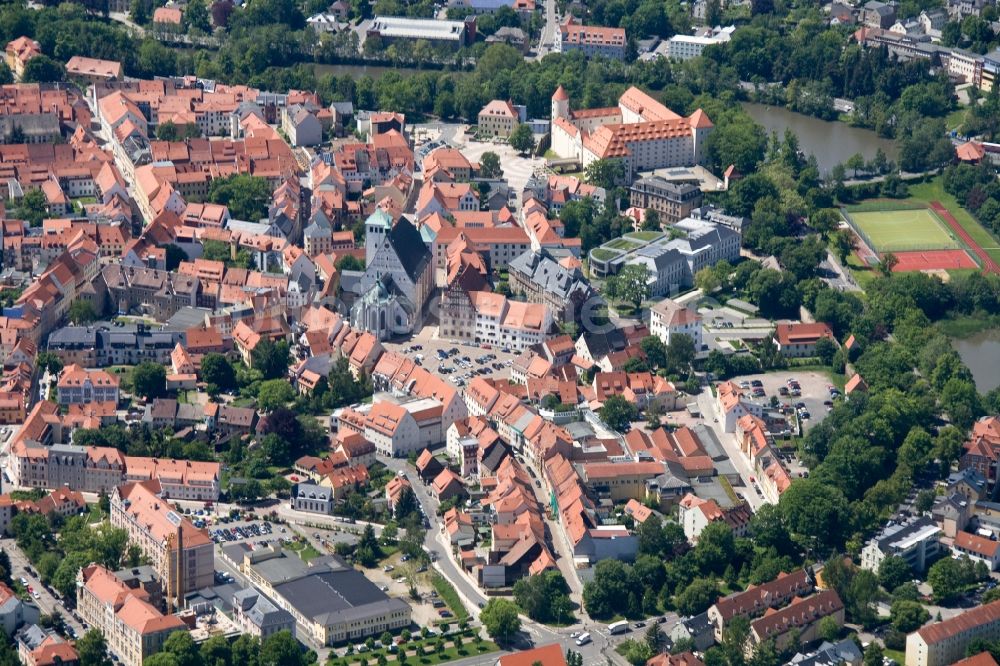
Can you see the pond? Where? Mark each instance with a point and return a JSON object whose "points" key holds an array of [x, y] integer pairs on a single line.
{"points": [[832, 142], [981, 353]]}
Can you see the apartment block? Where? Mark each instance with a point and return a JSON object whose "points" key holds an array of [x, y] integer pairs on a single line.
{"points": [[182, 555]]}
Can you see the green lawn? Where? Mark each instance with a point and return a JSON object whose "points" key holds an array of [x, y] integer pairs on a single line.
{"points": [[305, 550], [955, 119], [621, 244], [897, 655], [416, 652], [901, 230], [602, 254], [934, 191], [450, 597], [645, 235], [863, 275]]}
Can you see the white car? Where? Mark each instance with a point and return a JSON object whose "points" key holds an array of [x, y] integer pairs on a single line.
{"points": [[36, 595]]}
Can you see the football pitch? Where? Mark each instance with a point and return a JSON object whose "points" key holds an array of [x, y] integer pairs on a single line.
{"points": [[903, 230]]}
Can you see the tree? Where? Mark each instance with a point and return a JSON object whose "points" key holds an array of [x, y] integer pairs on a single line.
{"points": [[654, 637], [271, 358], [174, 256], [32, 208], [828, 629], [887, 263], [221, 11], [842, 243], [816, 514], [825, 350], [49, 361], [216, 651], [500, 619], [908, 616], [196, 16], [651, 220], [606, 173], [368, 551], [697, 597], [855, 163], [521, 139], [281, 649], [43, 69], [183, 648], [274, 393], [874, 655], [925, 498], [247, 197], [961, 402], [82, 312], [949, 578], [631, 284], [893, 572], [93, 649], [680, 352], [216, 370], [618, 413], [139, 12], [167, 131], [149, 380], [544, 598], [635, 652], [489, 165]]}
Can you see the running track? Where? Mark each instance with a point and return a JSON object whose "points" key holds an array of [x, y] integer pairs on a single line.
{"points": [[988, 264]]}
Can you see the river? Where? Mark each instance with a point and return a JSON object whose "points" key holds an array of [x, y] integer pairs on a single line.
{"points": [[981, 353], [355, 71], [831, 142]]}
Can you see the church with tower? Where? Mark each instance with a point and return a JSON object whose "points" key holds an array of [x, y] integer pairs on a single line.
{"points": [[640, 131], [398, 278]]}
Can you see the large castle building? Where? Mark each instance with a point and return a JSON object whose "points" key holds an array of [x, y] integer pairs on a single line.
{"points": [[640, 131]]}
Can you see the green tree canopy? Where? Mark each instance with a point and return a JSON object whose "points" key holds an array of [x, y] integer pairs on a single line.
{"points": [[500, 618], [149, 380]]}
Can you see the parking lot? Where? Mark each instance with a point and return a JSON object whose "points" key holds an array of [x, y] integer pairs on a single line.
{"points": [[234, 531], [428, 347], [810, 406]]}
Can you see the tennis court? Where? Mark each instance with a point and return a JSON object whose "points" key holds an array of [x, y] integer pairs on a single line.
{"points": [[933, 260], [903, 230]]}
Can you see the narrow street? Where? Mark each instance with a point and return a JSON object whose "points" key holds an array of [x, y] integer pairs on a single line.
{"points": [[597, 653], [706, 403], [547, 40], [46, 601]]}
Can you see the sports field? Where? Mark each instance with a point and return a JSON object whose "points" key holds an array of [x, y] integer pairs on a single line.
{"points": [[903, 230]]}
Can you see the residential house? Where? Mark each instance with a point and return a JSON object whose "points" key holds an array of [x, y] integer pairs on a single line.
{"points": [[800, 619], [757, 600], [77, 385], [799, 340], [14, 612], [977, 548], [258, 616], [499, 118], [945, 642], [696, 513], [917, 541], [182, 554], [668, 318], [132, 627]]}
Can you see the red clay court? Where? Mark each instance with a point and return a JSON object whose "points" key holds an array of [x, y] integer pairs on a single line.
{"points": [[988, 264], [924, 260]]}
